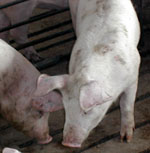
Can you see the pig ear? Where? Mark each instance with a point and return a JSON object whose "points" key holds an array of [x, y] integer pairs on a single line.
{"points": [[9, 150], [46, 83], [91, 95]]}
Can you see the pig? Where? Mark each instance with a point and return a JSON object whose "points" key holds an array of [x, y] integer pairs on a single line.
{"points": [[23, 11], [104, 66], [10, 150], [18, 105]]}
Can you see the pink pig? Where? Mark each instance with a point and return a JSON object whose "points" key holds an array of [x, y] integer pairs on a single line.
{"points": [[18, 104], [21, 12], [10, 150], [104, 65]]}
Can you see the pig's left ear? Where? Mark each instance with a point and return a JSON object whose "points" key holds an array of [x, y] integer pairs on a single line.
{"points": [[46, 83], [91, 95]]}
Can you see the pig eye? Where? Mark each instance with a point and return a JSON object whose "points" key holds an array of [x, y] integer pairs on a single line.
{"points": [[85, 113]]}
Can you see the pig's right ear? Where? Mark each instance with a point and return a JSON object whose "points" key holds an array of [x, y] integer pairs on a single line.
{"points": [[46, 83], [91, 95]]}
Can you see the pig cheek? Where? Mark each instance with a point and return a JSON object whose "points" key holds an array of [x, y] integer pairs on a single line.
{"points": [[41, 130]]}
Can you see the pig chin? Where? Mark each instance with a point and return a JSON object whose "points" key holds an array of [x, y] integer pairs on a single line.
{"points": [[74, 137]]}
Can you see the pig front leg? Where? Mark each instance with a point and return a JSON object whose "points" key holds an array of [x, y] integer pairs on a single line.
{"points": [[53, 4], [19, 13], [20, 36], [127, 112]]}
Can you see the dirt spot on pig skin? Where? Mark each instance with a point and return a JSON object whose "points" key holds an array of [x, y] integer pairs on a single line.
{"points": [[119, 59], [76, 55], [102, 49], [12, 118], [88, 13]]}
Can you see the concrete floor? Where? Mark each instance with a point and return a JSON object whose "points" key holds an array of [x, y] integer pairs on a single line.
{"points": [[105, 137]]}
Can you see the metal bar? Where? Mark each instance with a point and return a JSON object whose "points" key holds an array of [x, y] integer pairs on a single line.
{"points": [[146, 151], [50, 28], [65, 23], [33, 19], [31, 142], [49, 62], [57, 44], [27, 144], [34, 42], [12, 3]]}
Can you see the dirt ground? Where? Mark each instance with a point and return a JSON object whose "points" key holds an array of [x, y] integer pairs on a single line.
{"points": [[105, 137]]}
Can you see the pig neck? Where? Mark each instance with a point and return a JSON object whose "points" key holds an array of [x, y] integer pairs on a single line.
{"points": [[92, 61]]}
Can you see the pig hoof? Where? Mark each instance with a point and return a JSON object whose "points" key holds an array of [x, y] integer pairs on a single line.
{"points": [[127, 135], [126, 132], [128, 138], [71, 145], [49, 139]]}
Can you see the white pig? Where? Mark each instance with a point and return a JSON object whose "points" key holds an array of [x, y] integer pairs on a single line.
{"points": [[104, 65], [23, 11], [18, 104], [10, 150]]}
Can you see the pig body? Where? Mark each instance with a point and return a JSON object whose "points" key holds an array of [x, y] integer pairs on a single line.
{"points": [[23, 11], [17, 104], [104, 65]]}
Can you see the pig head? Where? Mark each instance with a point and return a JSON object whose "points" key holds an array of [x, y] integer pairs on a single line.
{"points": [[82, 100], [104, 65], [18, 104]]}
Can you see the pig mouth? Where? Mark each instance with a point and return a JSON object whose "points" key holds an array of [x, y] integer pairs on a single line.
{"points": [[72, 145]]}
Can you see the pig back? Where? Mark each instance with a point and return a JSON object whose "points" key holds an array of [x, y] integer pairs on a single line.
{"points": [[17, 77]]}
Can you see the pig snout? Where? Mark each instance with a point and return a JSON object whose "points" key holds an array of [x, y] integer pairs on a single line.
{"points": [[45, 140], [73, 137], [40, 130], [42, 135]]}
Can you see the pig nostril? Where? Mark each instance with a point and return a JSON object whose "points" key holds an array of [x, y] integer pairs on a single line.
{"points": [[71, 145]]}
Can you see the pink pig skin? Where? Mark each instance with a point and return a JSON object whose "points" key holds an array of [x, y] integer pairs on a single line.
{"points": [[23, 11], [18, 79], [10, 150]]}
